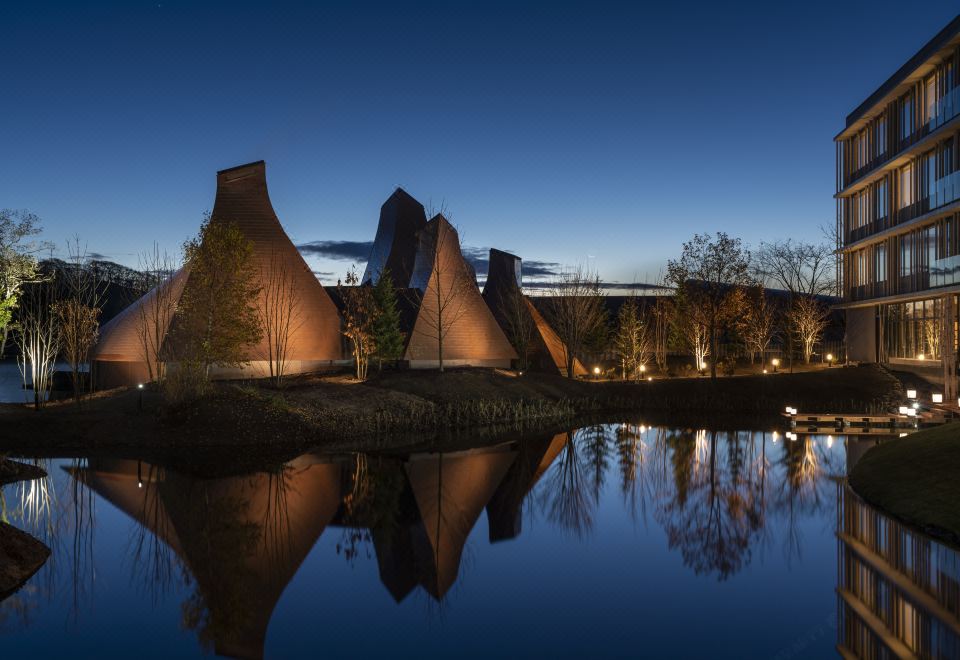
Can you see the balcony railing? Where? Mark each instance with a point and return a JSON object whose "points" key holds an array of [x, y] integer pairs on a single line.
{"points": [[947, 108], [945, 272]]}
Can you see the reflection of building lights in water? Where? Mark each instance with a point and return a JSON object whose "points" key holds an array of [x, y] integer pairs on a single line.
{"points": [[775, 436], [829, 441]]}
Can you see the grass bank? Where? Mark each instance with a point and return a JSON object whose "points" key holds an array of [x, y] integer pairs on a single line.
{"points": [[915, 479], [404, 407]]}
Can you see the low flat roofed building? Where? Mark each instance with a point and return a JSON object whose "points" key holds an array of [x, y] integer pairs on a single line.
{"points": [[898, 215]]}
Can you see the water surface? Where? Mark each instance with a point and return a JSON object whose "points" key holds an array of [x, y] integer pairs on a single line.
{"points": [[609, 540]]}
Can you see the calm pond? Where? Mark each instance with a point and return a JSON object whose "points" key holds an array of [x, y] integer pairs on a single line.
{"points": [[611, 540]]}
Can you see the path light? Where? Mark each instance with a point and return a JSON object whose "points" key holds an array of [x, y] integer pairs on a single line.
{"points": [[776, 363], [903, 410], [937, 398], [140, 396], [921, 356], [829, 359], [596, 372], [764, 371], [911, 394], [643, 368], [911, 412], [649, 379]]}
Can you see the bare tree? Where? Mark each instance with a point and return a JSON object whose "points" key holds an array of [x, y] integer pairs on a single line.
{"points": [[444, 284], [632, 339], [756, 325], [796, 267], [662, 317], [710, 275], [78, 312], [576, 311], [359, 312], [809, 318], [520, 325], [280, 313], [38, 338], [155, 314], [692, 325]]}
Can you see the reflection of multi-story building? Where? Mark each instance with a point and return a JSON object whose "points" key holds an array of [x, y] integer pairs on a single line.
{"points": [[898, 591], [898, 213]]}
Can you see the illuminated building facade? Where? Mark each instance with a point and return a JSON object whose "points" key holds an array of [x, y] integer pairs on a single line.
{"points": [[898, 214]]}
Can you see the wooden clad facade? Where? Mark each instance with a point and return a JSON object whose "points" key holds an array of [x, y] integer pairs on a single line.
{"points": [[449, 303], [504, 279], [241, 199]]}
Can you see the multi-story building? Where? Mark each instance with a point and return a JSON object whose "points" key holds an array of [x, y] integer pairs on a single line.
{"points": [[898, 214]]}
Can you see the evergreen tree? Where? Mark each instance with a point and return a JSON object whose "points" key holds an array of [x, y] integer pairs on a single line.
{"points": [[218, 319], [386, 324]]}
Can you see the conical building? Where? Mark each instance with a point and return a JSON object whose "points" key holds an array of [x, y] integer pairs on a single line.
{"points": [[314, 343], [450, 310], [504, 282], [395, 246]]}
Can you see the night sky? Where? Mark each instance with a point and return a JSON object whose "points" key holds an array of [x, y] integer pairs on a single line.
{"points": [[566, 134]]}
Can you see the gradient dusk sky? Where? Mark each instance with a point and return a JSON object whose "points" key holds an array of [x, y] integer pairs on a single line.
{"points": [[596, 133]]}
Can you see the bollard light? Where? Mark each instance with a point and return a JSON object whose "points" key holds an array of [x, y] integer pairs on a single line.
{"points": [[903, 410], [776, 363], [911, 412], [937, 398], [911, 394]]}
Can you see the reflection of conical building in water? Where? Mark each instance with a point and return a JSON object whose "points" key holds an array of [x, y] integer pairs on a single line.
{"points": [[505, 508], [447, 493], [898, 591], [242, 538]]}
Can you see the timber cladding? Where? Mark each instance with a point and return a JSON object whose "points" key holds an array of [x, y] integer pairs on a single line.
{"points": [[451, 306], [241, 199]]}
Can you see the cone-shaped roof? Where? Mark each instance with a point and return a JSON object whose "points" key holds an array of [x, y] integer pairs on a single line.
{"points": [[395, 246], [451, 304], [504, 279], [242, 199]]}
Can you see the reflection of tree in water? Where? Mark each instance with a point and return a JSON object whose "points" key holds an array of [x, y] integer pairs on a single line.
{"points": [[715, 509], [83, 514], [597, 448], [220, 544], [802, 492], [372, 505], [562, 493]]}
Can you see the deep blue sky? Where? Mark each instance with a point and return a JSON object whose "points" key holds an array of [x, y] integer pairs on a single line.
{"points": [[603, 135]]}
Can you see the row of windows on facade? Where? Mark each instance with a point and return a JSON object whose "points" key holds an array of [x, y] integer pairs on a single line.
{"points": [[927, 104], [932, 178], [931, 252]]}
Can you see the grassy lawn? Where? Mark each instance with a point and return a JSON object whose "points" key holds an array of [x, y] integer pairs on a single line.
{"points": [[916, 479]]}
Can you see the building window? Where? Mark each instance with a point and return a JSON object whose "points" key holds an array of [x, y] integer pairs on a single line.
{"points": [[930, 96], [880, 258], [882, 199], [906, 117], [913, 330], [906, 186]]}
